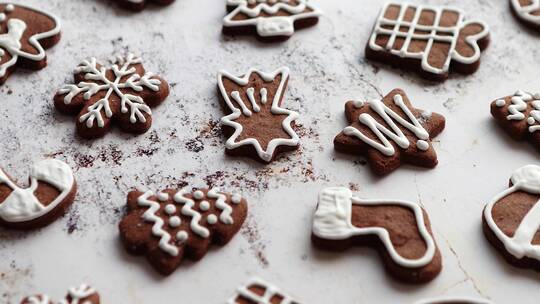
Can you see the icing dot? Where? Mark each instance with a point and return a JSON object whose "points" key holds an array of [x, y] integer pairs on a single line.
{"points": [[198, 194], [205, 206], [2, 17], [531, 120], [10, 7], [175, 221], [170, 209], [422, 145], [2, 53], [162, 196], [211, 219], [500, 103], [358, 103], [181, 236], [236, 198]]}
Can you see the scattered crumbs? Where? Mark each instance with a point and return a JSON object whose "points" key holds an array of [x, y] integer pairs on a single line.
{"points": [[450, 104], [194, 145], [250, 231], [354, 187], [73, 220], [83, 161]]}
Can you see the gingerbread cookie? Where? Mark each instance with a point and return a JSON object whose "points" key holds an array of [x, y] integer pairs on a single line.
{"points": [[390, 131], [171, 225], [527, 11], [519, 115], [52, 190], [431, 40], [256, 125], [399, 230], [27, 32], [258, 291], [454, 300], [139, 5], [83, 294], [512, 218], [122, 93], [270, 20]]}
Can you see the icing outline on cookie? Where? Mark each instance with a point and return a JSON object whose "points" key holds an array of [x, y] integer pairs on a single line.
{"points": [[333, 221]]}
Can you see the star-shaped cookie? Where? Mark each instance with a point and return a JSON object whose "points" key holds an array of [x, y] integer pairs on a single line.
{"points": [[389, 132]]}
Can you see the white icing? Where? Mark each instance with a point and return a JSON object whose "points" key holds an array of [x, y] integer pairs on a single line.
{"points": [[126, 78], [175, 221], [395, 134], [11, 41], [182, 236], [157, 228], [221, 203], [525, 179], [22, 205], [170, 209], [212, 219], [162, 196], [333, 221], [236, 198], [428, 33], [269, 293], [77, 294], [188, 210], [199, 195], [526, 12], [500, 103], [519, 104], [204, 206], [271, 25], [229, 120]]}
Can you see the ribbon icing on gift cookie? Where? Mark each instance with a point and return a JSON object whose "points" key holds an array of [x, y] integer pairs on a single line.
{"points": [[436, 38], [512, 219], [257, 126], [123, 93], [271, 19], [519, 115], [170, 224], [257, 291], [138, 5], [26, 33], [82, 294], [408, 248], [390, 131], [527, 11], [52, 189]]}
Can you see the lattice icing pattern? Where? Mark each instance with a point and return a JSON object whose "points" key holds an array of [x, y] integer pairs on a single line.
{"points": [[257, 291]]}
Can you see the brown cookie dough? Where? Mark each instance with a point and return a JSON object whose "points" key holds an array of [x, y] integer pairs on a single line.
{"points": [[171, 225], [390, 132], [256, 124], [511, 220], [122, 93], [399, 230], [52, 190], [519, 116], [431, 40], [139, 5], [270, 20], [26, 33], [77, 295]]}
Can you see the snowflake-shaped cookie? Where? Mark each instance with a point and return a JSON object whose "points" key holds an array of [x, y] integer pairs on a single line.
{"points": [[122, 93]]}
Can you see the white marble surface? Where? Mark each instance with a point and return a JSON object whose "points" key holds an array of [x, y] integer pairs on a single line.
{"points": [[183, 43]]}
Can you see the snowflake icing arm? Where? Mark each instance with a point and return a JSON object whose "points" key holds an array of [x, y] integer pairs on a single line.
{"points": [[123, 92]]}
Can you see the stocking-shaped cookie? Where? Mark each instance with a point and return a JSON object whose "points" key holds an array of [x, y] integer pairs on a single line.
{"points": [[83, 294], [400, 231], [431, 40], [25, 33], [527, 11], [390, 132], [519, 115], [52, 190], [258, 291], [122, 93], [270, 20], [171, 225], [138, 5], [512, 219], [256, 125]]}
